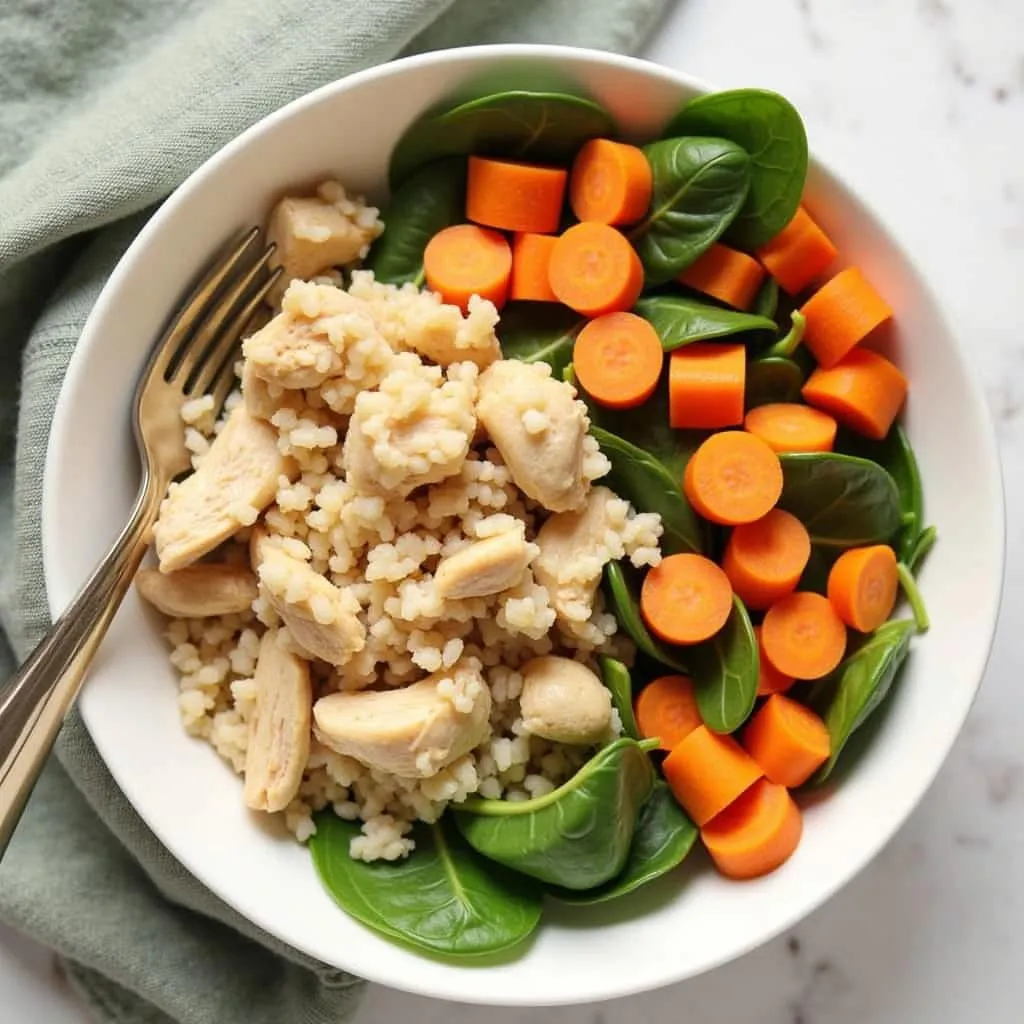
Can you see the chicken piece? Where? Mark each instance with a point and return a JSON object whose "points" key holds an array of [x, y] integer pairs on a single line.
{"points": [[280, 728], [263, 399], [564, 701], [484, 567], [236, 480], [538, 426], [321, 618], [412, 732], [439, 332], [198, 591]]}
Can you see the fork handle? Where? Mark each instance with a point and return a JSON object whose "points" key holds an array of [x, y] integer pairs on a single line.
{"points": [[37, 698]]}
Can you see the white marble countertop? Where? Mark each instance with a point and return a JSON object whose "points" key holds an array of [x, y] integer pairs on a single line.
{"points": [[920, 104]]}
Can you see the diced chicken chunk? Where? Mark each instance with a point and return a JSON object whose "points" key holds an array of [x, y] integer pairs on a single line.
{"points": [[564, 701], [484, 567], [198, 591], [263, 399], [236, 480], [538, 426], [280, 728], [439, 332], [412, 732]]}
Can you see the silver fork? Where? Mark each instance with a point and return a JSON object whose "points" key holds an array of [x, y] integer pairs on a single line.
{"points": [[194, 357]]}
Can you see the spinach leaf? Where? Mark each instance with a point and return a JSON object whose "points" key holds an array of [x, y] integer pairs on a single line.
{"points": [[664, 836], [681, 320], [767, 301], [443, 898], [843, 501], [724, 670], [645, 482], [625, 606], [432, 199], [547, 127], [859, 685], [699, 186], [819, 565], [769, 128], [616, 677], [539, 333], [577, 836], [772, 379]]}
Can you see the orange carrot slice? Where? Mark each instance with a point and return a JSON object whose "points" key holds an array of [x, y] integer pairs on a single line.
{"points": [[515, 196], [769, 679], [531, 257], [841, 314], [791, 427], [611, 183], [799, 254], [706, 772], [802, 636], [725, 274], [595, 270], [685, 599], [466, 260], [862, 586], [706, 385], [788, 741], [765, 559], [617, 359], [864, 392], [666, 710], [733, 478], [757, 834]]}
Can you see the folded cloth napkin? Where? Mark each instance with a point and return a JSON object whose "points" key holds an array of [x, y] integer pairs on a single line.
{"points": [[105, 106]]}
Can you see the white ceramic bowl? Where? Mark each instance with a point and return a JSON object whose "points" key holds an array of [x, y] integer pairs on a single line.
{"points": [[676, 928]]}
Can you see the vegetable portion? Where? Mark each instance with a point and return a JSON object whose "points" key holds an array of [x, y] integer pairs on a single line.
{"points": [[765, 559], [514, 196], [666, 711], [725, 274], [465, 260], [788, 741], [841, 314], [593, 269], [799, 254], [802, 636], [685, 599], [611, 183], [733, 478], [531, 262], [617, 358], [705, 386]]}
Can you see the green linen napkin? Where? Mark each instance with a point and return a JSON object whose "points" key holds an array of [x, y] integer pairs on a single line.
{"points": [[105, 106]]}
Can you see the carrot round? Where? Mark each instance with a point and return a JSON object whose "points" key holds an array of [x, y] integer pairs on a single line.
{"points": [[725, 274], [707, 771], [531, 257], [514, 196], [706, 386], [765, 559], [666, 710], [466, 260], [769, 679], [757, 834], [594, 270], [685, 599], [617, 359], [610, 183], [840, 314], [802, 636], [864, 392], [862, 586], [733, 478], [791, 427], [798, 254], [788, 741]]}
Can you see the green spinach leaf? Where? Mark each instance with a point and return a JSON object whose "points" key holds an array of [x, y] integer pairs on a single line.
{"points": [[699, 186], [724, 670], [772, 379], [443, 898], [539, 333], [767, 301], [625, 605], [681, 320], [616, 677], [769, 128]]}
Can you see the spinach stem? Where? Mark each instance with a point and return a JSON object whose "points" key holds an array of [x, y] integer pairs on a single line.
{"points": [[923, 545], [913, 595], [788, 344]]}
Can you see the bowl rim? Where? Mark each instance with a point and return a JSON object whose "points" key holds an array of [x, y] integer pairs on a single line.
{"points": [[569, 54]]}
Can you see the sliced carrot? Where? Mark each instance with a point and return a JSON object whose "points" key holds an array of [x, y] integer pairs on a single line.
{"points": [[802, 636], [864, 392], [531, 257], [757, 834], [765, 559], [706, 386], [841, 314], [594, 270], [725, 274], [707, 771], [611, 182], [685, 599], [769, 679], [791, 427], [666, 710], [466, 260], [733, 478], [862, 586], [788, 741], [799, 253], [617, 359], [515, 196]]}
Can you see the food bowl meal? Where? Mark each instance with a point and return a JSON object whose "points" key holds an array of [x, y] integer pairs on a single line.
{"points": [[599, 554]]}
